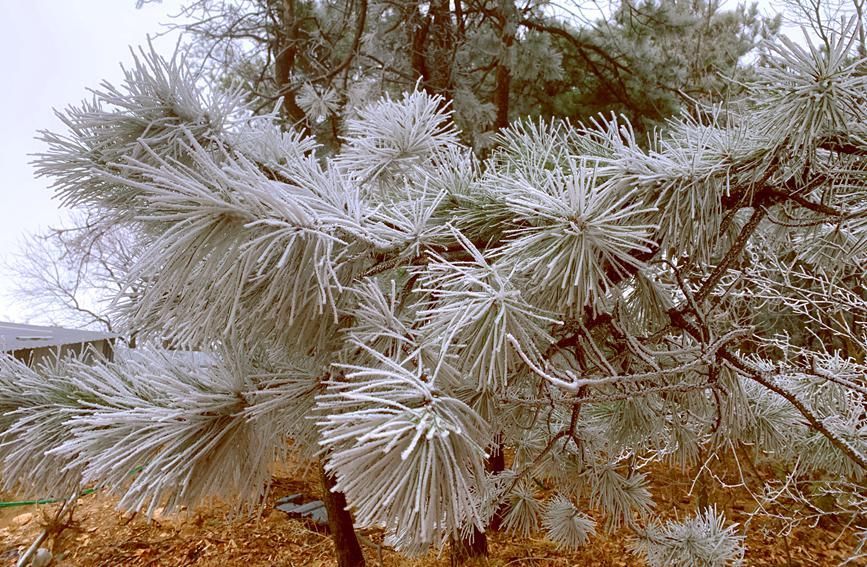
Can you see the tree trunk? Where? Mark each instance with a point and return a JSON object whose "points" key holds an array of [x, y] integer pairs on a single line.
{"points": [[440, 49], [285, 50], [418, 31], [503, 74], [472, 550], [497, 464], [346, 546]]}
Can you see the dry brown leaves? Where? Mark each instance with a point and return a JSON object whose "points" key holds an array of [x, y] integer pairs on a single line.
{"points": [[210, 536]]}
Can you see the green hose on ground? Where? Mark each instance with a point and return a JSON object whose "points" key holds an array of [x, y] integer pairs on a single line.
{"points": [[54, 500], [42, 501]]}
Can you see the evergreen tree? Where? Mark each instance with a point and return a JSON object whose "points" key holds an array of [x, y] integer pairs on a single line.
{"points": [[495, 61], [401, 310], [69, 276]]}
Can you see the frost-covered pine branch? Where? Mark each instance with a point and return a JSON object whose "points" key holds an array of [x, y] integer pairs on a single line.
{"points": [[156, 428], [703, 539], [584, 302]]}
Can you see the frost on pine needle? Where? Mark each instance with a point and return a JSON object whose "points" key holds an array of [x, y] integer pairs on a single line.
{"points": [[688, 183], [377, 320], [152, 428], [392, 137], [159, 432], [809, 95], [622, 497], [158, 105], [454, 170], [253, 239], [408, 457], [647, 301], [475, 307], [565, 525], [412, 222], [820, 454], [830, 247], [611, 139], [285, 397], [579, 231], [524, 512], [260, 138], [701, 540], [35, 408], [318, 104], [580, 298], [530, 148]]}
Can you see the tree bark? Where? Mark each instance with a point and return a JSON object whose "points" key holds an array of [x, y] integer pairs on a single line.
{"points": [[497, 464], [433, 40], [418, 29], [440, 49], [346, 546], [503, 74], [472, 550], [285, 51]]}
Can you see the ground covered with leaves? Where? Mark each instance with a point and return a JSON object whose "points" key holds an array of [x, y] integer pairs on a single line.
{"points": [[215, 536]]}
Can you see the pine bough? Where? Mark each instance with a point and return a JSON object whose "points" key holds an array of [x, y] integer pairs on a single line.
{"points": [[398, 309]]}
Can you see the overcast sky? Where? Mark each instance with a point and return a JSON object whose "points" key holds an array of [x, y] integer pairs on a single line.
{"points": [[52, 50]]}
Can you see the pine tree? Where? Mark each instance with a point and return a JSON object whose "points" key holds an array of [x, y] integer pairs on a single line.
{"points": [[494, 61], [398, 310]]}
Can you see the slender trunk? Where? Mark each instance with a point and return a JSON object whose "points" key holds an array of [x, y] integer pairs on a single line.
{"points": [[418, 29], [472, 550], [346, 546], [459, 17], [503, 74], [285, 51], [501, 96], [440, 49], [497, 464]]}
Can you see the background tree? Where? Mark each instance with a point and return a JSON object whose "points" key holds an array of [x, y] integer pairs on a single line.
{"points": [[668, 54], [825, 18], [70, 276], [495, 60], [590, 303]]}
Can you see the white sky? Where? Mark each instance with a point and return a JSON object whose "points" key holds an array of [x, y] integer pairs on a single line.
{"points": [[51, 51]]}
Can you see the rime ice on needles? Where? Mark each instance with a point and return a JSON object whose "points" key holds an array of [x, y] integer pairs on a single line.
{"points": [[524, 511], [35, 409], [565, 525], [377, 322], [703, 539], [158, 104], [225, 222], [578, 232], [475, 308], [390, 138], [809, 96], [153, 428], [620, 496], [589, 303], [408, 457], [193, 436], [318, 104]]}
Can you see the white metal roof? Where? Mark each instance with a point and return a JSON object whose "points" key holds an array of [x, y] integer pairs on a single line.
{"points": [[15, 336]]}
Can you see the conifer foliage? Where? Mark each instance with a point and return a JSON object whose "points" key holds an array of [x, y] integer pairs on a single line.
{"points": [[591, 303]]}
